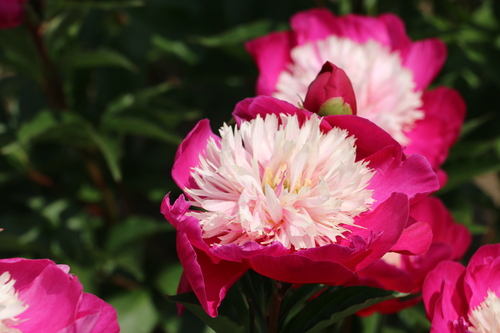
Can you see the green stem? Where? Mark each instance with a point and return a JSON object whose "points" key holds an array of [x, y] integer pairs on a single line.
{"points": [[278, 293]]}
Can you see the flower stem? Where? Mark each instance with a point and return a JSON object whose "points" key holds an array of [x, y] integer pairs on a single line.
{"points": [[277, 295]]}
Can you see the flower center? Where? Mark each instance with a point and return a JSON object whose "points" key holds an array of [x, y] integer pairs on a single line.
{"points": [[276, 180], [10, 305], [485, 318], [384, 89]]}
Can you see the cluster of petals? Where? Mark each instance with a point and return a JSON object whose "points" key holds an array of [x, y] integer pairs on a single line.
{"points": [[406, 273], [462, 299], [40, 296], [389, 73], [252, 208], [11, 13]]}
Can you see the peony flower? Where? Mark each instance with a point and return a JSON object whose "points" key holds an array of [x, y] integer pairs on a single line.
{"points": [[389, 73], [11, 13], [293, 196], [465, 299], [406, 273], [40, 296]]}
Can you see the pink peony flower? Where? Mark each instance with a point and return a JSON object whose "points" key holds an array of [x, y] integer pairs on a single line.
{"points": [[11, 13], [293, 196], [450, 241], [40, 296], [389, 72], [465, 299]]}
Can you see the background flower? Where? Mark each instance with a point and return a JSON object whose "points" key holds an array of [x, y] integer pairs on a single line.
{"points": [[36, 294], [465, 299], [406, 273], [389, 72]]}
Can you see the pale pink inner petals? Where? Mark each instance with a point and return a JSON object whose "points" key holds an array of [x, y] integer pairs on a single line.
{"points": [[384, 89], [10, 305], [276, 180], [485, 317]]}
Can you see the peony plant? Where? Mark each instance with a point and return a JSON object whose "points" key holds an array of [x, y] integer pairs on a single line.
{"points": [[390, 74]]}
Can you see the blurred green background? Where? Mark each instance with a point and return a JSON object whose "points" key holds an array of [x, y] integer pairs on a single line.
{"points": [[97, 95]]}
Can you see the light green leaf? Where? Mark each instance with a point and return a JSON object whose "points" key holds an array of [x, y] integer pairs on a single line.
{"points": [[97, 58], [136, 312], [236, 35]]}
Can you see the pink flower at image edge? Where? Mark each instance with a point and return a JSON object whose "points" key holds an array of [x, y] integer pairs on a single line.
{"points": [[42, 294], [465, 299]]}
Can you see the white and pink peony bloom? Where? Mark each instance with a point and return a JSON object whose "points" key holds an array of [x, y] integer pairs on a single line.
{"points": [[389, 73], [296, 197], [40, 296], [406, 273], [462, 299]]}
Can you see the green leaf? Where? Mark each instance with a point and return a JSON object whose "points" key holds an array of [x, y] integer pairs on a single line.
{"points": [[177, 48], [219, 324], [237, 35], [133, 229], [98, 58], [333, 305], [105, 4], [111, 150], [140, 126], [136, 312]]}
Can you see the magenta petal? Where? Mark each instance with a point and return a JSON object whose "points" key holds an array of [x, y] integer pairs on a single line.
{"points": [[51, 290], [100, 317], [294, 268], [415, 239], [271, 54], [209, 281], [369, 137], [398, 39], [383, 275], [381, 235], [442, 293], [425, 59], [313, 24], [433, 136], [250, 108], [483, 274], [413, 176], [11, 13], [188, 154]]}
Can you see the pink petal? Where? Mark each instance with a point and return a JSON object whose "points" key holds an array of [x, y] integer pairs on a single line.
{"points": [[433, 136], [271, 54], [188, 153], [444, 229], [209, 281], [99, 316], [415, 239], [383, 275], [52, 292], [314, 24], [443, 294], [412, 176], [295, 268], [369, 137], [11, 14], [398, 39], [483, 274], [425, 59], [380, 235]]}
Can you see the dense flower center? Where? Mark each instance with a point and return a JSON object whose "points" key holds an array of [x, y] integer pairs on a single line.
{"points": [[485, 318], [276, 180], [384, 89], [10, 305]]}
